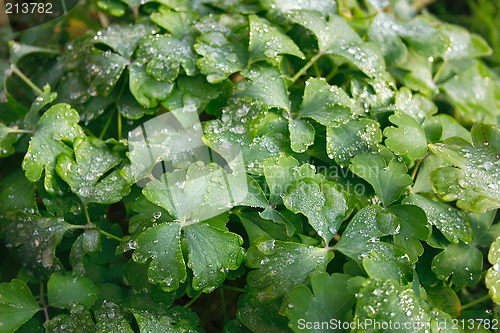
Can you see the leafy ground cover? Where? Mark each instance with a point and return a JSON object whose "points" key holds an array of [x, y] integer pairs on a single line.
{"points": [[250, 166]]}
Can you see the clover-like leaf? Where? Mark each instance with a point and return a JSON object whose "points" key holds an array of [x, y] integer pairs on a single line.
{"points": [[265, 83], [65, 290], [337, 37], [176, 319], [384, 301], [408, 138], [42, 100], [89, 241], [280, 266], [33, 240], [355, 137], [85, 173], [267, 41], [363, 233], [323, 204], [209, 262], [463, 44], [79, 320], [109, 318], [58, 124], [8, 138], [388, 179], [301, 134], [474, 179], [330, 298], [198, 193], [413, 228], [165, 55], [450, 221], [463, 262], [493, 275], [328, 105], [17, 305], [478, 104], [146, 90]]}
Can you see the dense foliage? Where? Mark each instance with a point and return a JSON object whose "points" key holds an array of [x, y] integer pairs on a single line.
{"points": [[369, 190]]}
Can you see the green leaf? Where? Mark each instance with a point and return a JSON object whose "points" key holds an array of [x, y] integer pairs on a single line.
{"points": [[18, 194], [123, 39], [493, 275], [17, 305], [79, 320], [330, 298], [65, 290], [323, 204], [162, 243], [110, 319], [363, 233], [58, 124], [103, 70], [464, 262], [89, 241], [285, 6], [178, 23], [198, 193], [18, 51], [414, 105], [464, 44], [408, 138], [7, 139], [219, 59], [212, 252], [33, 240], [165, 55], [210, 263], [385, 300], [146, 90], [450, 221], [358, 136], [279, 173], [328, 105], [89, 173], [44, 99], [478, 104], [265, 83], [474, 178], [267, 41], [175, 320], [388, 179], [338, 38], [280, 266], [191, 91], [256, 227], [413, 228], [301, 134], [261, 317]]}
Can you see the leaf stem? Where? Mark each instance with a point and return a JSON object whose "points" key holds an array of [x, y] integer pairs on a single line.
{"points": [[477, 301], [42, 301], [240, 290], [223, 303], [306, 66], [417, 166], [119, 124], [188, 304], [106, 126], [87, 216], [26, 80], [107, 234]]}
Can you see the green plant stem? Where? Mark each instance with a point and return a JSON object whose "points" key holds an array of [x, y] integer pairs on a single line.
{"points": [[26, 80], [223, 303], [106, 126], [477, 301], [119, 124], [240, 290], [86, 212], [188, 304], [107, 234], [42, 301], [304, 69], [417, 166]]}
